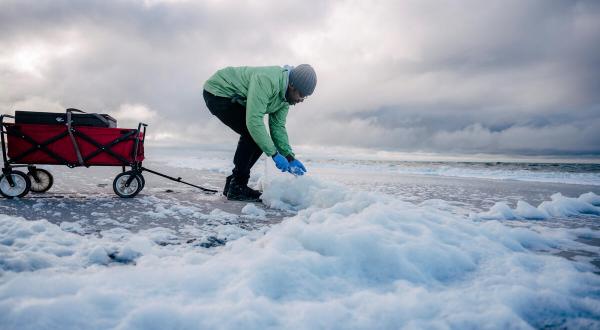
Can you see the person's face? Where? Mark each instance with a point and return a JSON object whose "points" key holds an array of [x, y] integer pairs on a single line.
{"points": [[294, 96]]}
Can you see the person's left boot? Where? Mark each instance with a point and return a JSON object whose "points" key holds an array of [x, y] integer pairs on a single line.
{"points": [[241, 192], [252, 192]]}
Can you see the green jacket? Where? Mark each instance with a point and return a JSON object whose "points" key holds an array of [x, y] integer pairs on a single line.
{"points": [[262, 90]]}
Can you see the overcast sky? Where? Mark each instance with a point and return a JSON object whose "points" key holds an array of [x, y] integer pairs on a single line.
{"points": [[466, 76]]}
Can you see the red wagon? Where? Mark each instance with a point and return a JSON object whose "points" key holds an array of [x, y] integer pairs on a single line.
{"points": [[71, 139]]}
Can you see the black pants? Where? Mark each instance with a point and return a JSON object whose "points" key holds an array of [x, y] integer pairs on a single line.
{"points": [[233, 115]]}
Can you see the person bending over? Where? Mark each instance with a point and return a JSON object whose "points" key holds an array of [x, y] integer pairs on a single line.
{"points": [[240, 97]]}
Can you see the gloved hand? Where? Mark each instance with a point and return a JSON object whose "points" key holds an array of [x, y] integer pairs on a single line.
{"points": [[296, 167], [281, 162]]}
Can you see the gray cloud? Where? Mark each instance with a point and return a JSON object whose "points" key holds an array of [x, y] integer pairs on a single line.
{"points": [[470, 76]]}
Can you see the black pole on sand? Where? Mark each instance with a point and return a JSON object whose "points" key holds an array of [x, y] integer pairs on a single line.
{"points": [[178, 180]]}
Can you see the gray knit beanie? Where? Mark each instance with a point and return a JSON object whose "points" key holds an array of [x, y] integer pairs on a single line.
{"points": [[304, 79]]}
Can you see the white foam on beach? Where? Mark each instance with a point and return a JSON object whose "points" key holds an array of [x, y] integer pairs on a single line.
{"points": [[347, 259], [558, 206]]}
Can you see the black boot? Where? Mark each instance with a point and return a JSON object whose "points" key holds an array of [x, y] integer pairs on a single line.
{"points": [[241, 192], [252, 192], [227, 182]]}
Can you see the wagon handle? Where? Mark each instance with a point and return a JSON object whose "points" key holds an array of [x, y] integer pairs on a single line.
{"points": [[75, 110], [178, 179]]}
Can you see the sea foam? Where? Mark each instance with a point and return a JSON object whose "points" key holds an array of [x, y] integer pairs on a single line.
{"points": [[346, 259]]}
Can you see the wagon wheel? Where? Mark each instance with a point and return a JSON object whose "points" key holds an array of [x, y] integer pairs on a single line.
{"points": [[142, 180], [41, 180], [122, 189], [20, 187]]}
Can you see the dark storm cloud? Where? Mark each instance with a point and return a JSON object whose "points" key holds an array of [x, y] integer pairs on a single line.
{"points": [[466, 76], [132, 52]]}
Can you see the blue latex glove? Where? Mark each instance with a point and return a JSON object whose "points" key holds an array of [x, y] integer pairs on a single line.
{"points": [[281, 162], [296, 167]]}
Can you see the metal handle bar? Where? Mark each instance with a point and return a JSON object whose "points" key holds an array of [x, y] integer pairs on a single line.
{"points": [[75, 110], [178, 180]]}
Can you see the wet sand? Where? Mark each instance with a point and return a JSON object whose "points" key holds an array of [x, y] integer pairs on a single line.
{"points": [[85, 196]]}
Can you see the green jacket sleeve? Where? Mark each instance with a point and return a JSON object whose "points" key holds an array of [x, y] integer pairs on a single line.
{"points": [[259, 90], [279, 133]]}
